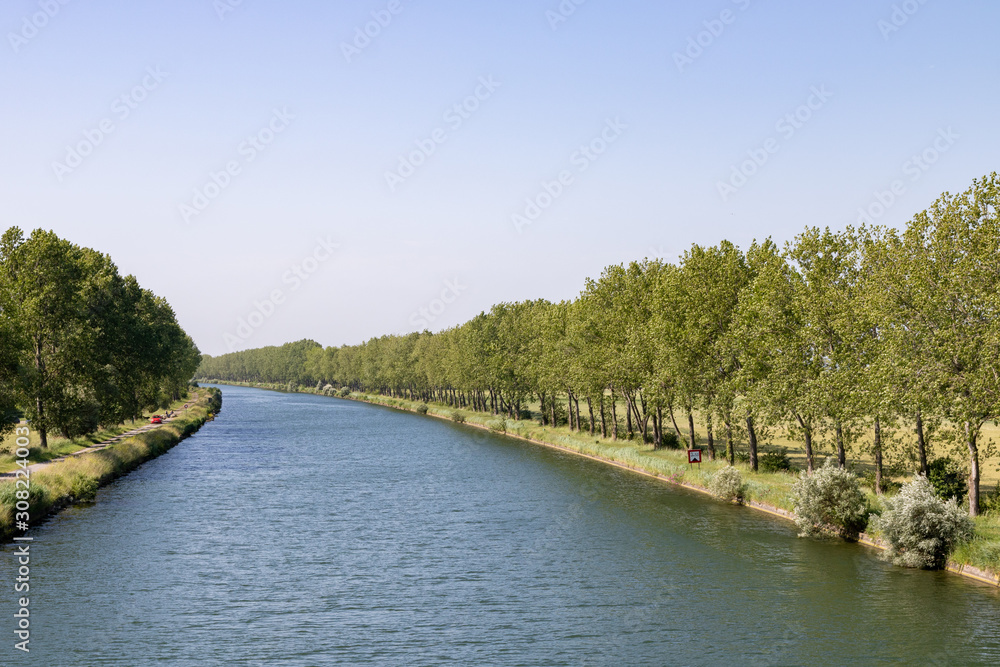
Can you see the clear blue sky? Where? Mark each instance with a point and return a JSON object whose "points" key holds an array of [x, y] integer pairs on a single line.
{"points": [[673, 129]]}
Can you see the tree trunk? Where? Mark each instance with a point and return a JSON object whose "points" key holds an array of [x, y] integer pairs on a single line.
{"points": [[841, 454], [878, 456], [43, 432], [677, 429], [921, 443], [807, 431], [604, 421], [569, 411], [552, 407], [971, 436], [730, 450], [628, 419], [690, 429], [658, 427], [711, 438], [590, 409], [614, 415], [752, 442], [576, 406]]}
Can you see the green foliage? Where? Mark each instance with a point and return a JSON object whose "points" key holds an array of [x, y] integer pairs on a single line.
{"points": [[776, 461], [457, 417], [727, 484], [920, 528], [83, 488], [422, 409], [829, 501], [991, 500], [669, 440], [80, 345], [497, 425], [344, 392], [948, 478]]}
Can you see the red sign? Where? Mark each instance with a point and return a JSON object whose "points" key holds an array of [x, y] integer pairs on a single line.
{"points": [[694, 456]]}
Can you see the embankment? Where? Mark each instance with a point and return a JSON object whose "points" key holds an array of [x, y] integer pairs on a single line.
{"points": [[56, 485]]}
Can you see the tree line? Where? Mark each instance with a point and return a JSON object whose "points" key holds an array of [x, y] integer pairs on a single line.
{"points": [[869, 330], [81, 346]]}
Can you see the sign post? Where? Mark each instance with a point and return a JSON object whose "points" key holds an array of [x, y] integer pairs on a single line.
{"points": [[694, 456]]}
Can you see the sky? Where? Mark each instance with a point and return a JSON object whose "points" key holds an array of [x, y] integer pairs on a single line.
{"points": [[345, 170]]}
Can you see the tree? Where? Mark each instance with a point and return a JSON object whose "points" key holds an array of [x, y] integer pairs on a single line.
{"points": [[944, 302]]}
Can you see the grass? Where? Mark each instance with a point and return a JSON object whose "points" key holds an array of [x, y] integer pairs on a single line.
{"points": [[77, 478], [60, 446]]}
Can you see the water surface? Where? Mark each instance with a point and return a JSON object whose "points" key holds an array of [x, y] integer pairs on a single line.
{"points": [[304, 530]]}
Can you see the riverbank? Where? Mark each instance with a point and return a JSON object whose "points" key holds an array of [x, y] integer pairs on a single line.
{"points": [[76, 478], [767, 492]]}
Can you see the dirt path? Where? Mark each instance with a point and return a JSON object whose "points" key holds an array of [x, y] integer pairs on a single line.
{"points": [[35, 467]]}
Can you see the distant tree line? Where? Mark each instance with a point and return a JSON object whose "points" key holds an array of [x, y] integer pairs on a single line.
{"points": [[838, 333], [80, 345]]}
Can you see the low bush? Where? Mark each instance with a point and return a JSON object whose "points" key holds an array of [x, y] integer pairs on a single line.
{"points": [[989, 500], [947, 478], [669, 440], [920, 528], [727, 484], [830, 501], [422, 409], [457, 417], [497, 425], [774, 461], [344, 391]]}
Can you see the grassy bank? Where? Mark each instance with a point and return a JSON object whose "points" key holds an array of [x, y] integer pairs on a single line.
{"points": [[60, 446], [768, 491], [77, 478]]}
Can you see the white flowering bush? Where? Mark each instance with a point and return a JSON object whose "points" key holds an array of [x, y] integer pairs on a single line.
{"points": [[920, 528], [830, 501], [727, 484]]}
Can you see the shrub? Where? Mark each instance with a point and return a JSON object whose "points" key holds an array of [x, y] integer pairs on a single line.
{"points": [[889, 485], [829, 500], [669, 440], [422, 409], [947, 478], [989, 501], [920, 527], [457, 417], [526, 414], [344, 391], [497, 425], [83, 488], [727, 484], [774, 461]]}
